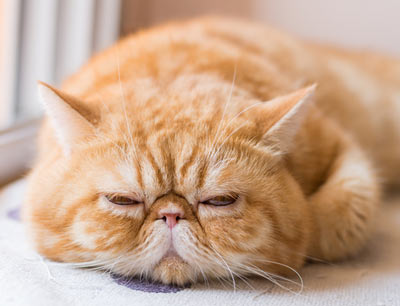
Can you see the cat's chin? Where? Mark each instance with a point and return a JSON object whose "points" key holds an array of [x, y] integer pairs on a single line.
{"points": [[172, 269]]}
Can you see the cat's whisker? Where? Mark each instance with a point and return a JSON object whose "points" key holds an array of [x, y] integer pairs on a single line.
{"points": [[122, 92], [88, 265], [300, 284], [230, 122], [224, 111], [114, 126], [241, 112], [224, 141], [222, 280], [220, 262], [312, 258], [204, 276], [283, 265], [202, 252], [126, 155], [117, 261], [270, 277], [244, 279], [235, 274], [226, 265]]}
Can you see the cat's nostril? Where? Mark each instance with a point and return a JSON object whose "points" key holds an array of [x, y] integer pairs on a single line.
{"points": [[171, 218]]}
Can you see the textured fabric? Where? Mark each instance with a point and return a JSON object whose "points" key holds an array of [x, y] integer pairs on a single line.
{"points": [[373, 278]]}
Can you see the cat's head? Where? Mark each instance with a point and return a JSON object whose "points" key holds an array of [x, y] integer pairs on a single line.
{"points": [[176, 191]]}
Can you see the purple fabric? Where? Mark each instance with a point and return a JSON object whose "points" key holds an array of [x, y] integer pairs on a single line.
{"points": [[145, 285], [14, 214]]}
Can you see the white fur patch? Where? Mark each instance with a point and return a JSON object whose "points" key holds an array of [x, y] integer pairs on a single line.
{"points": [[79, 233]]}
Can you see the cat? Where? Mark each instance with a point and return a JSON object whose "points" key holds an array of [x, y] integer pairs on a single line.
{"points": [[214, 148]]}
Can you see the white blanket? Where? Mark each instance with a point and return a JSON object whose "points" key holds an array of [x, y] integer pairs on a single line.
{"points": [[373, 278]]}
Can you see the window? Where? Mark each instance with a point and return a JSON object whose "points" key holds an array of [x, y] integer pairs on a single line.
{"points": [[43, 40]]}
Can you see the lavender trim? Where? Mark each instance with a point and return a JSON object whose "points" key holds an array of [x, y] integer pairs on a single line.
{"points": [[145, 285], [14, 214]]}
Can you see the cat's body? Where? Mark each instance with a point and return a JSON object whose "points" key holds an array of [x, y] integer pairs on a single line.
{"points": [[175, 118]]}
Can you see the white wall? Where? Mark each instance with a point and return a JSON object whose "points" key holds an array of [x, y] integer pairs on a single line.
{"points": [[368, 24]]}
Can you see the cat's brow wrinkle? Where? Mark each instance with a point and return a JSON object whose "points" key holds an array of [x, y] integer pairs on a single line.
{"points": [[202, 171], [188, 163], [139, 174], [156, 168]]}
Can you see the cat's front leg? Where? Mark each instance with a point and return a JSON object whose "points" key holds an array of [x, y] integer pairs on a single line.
{"points": [[344, 207]]}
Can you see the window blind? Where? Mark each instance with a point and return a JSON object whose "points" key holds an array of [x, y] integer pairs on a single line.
{"points": [[48, 40]]}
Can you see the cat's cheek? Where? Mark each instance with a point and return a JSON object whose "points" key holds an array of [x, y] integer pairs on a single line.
{"points": [[136, 211], [153, 242]]}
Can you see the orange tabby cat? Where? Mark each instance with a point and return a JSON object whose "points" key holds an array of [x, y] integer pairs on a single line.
{"points": [[202, 149]]}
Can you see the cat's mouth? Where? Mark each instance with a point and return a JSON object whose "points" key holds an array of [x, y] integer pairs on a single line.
{"points": [[171, 254], [172, 268]]}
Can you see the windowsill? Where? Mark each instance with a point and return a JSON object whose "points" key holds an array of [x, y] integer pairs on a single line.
{"points": [[17, 149]]}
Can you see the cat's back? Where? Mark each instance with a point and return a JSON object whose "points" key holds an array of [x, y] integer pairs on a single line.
{"points": [[220, 45], [359, 90], [203, 45]]}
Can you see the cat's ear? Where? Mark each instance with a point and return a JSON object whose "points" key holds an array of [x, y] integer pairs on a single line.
{"points": [[68, 116], [283, 117]]}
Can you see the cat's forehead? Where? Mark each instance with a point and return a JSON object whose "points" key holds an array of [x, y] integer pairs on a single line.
{"points": [[158, 164], [190, 92]]}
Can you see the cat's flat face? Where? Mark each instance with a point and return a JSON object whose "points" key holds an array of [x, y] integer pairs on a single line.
{"points": [[175, 195]]}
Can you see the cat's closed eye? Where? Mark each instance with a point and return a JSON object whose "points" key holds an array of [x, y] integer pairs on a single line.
{"points": [[122, 200], [221, 200]]}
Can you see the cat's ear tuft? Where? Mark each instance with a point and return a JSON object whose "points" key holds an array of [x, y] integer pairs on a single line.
{"points": [[283, 118], [68, 117]]}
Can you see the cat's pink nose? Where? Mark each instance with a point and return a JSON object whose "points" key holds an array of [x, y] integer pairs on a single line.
{"points": [[171, 218]]}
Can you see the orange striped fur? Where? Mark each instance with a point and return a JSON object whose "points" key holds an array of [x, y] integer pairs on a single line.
{"points": [[183, 113]]}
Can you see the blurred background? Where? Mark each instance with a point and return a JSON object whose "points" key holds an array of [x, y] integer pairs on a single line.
{"points": [[49, 39]]}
